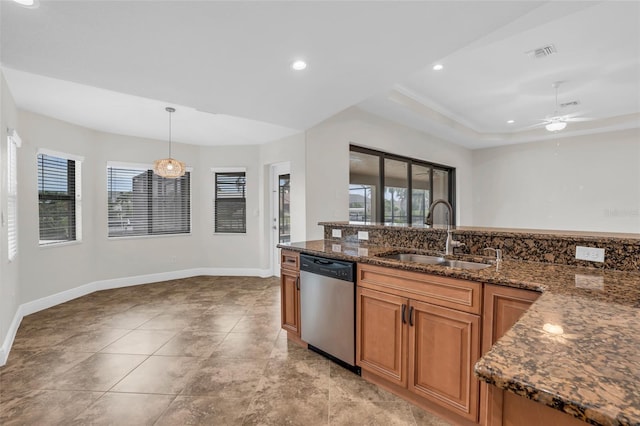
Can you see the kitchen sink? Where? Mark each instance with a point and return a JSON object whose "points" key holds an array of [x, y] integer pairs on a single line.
{"points": [[435, 260], [418, 258]]}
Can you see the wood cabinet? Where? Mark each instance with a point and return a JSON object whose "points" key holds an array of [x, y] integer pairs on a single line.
{"points": [[290, 292], [503, 307], [381, 334], [421, 333], [444, 344]]}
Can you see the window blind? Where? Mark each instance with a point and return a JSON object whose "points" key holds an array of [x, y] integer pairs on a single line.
{"points": [[56, 199], [230, 202], [12, 197], [143, 203]]}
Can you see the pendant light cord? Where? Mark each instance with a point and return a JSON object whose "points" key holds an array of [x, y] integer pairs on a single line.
{"points": [[170, 111]]}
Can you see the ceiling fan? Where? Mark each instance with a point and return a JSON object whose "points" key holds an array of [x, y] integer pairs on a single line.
{"points": [[558, 122]]}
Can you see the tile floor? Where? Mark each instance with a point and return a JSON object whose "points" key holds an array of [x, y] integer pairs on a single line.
{"points": [[202, 350]]}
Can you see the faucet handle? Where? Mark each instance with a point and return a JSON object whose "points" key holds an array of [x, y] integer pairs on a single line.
{"points": [[498, 253]]}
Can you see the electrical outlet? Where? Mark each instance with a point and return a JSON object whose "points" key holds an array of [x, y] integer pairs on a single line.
{"points": [[336, 233], [590, 253], [363, 235]]}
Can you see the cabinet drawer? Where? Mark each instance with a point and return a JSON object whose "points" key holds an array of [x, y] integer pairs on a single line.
{"points": [[290, 260], [452, 293]]}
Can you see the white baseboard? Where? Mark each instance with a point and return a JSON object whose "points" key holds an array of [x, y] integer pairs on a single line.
{"points": [[11, 334], [46, 302]]}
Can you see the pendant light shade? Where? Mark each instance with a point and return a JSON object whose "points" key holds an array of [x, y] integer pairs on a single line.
{"points": [[169, 167]]}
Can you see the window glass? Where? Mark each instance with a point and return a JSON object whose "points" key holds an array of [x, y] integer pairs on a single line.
{"points": [[284, 211], [364, 178], [396, 191], [408, 187], [58, 199], [230, 202], [441, 191], [420, 193], [143, 203]]}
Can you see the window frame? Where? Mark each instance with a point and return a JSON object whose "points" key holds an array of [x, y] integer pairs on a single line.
{"points": [[229, 170], [382, 156], [143, 167], [77, 197]]}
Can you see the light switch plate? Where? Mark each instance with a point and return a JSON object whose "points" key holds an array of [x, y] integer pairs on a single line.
{"points": [[363, 235], [590, 253], [336, 233]]}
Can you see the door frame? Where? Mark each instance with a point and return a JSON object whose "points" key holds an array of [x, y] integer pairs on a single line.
{"points": [[275, 170]]}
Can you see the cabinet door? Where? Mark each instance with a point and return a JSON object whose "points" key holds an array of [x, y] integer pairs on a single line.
{"points": [[381, 335], [444, 344], [503, 306], [290, 300]]}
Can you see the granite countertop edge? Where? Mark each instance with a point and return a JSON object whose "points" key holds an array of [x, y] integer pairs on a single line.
{"points": [[516, 362]]}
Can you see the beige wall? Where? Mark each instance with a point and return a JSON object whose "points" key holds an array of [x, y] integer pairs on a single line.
{"points": [[55, 269], [585, 183]]}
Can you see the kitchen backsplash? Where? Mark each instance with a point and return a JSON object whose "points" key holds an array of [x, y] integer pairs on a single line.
{"points": [[622, 252]]}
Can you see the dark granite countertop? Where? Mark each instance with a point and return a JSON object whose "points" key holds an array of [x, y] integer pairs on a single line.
{"points": [[577, 349]]}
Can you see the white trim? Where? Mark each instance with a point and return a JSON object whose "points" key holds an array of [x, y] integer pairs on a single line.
{"points": [[228, 169], [14, 137], [59, 154], [135, 166], [10, 336], [46, 302]]}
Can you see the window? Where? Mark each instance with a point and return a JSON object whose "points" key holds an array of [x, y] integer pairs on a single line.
{"points": [[13, 143], [407, 187], [59, 198], [143, 203], [230, 202]]}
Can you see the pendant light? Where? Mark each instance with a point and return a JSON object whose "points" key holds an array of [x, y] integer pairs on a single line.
{"points": [[169, 167]]}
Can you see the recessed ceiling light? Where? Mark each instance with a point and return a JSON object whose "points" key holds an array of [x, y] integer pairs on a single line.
{"points": [[510, 121], [299, 65], [438, 67], [27, 3]]}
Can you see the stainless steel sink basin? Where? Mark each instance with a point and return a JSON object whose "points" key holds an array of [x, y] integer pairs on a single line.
{"points": [[462, 264], [435, 260], [418, 258]]}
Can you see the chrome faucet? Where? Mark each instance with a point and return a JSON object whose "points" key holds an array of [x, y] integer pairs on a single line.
{"points": [[451, 243], [498, 253]]}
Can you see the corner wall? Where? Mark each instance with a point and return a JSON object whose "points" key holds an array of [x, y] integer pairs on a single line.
{"points": [[9, 271], [328, 162]]}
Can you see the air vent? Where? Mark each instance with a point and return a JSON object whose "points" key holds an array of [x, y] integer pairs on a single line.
{"points": [[542, 52], [569, 104]]}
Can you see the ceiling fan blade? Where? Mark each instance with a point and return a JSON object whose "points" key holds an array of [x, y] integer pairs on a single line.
{"points": [[577, 119], [535, 126]]}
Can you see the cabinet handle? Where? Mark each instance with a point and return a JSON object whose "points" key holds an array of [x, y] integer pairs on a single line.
{"points": [[411, 316], [298, 283], [404, 311]]}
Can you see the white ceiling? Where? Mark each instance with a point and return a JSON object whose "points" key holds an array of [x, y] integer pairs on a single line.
{"points": [[114, 66]]}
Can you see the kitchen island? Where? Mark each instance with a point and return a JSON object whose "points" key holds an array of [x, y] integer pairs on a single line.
{"points": [[577, 349]]}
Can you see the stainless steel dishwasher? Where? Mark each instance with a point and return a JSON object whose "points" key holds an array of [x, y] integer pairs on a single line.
{"points": [[327, 308]]}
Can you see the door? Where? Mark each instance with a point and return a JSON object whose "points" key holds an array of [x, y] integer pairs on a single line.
{"points": [[381, 334], [444, 344], [280, 221]]}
